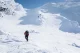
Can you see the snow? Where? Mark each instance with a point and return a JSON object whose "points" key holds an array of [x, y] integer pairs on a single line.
{"points": [[50, 31]]}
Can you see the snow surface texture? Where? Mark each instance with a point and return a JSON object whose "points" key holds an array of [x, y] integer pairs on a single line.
{"points": [[50, 30]]}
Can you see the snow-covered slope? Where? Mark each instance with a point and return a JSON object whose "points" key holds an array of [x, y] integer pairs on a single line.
{"points": [[67, 10], [11, 35], [52, 29]]}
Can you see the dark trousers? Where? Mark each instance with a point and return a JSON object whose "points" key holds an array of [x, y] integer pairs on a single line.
{"points": [[26, 37]]}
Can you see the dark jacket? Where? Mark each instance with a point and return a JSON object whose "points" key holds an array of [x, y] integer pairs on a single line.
{"points": [[26, 33]]}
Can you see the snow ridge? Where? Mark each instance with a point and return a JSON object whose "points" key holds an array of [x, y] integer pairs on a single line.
{"points": [[51, 29]]}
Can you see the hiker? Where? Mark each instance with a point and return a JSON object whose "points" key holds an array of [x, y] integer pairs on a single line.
{"points": [[26, 33]]}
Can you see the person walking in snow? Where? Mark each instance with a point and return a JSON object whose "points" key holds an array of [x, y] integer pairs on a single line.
{"points": [[26, 33]]}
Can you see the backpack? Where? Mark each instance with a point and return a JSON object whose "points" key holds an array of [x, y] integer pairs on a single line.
{"points": [[26, 33]]}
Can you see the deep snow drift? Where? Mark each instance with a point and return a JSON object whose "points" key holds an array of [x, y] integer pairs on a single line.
{"points": [[52, 27]]}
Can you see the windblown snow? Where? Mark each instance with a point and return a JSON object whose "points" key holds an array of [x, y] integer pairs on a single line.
{"points": [[53, 27]]}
